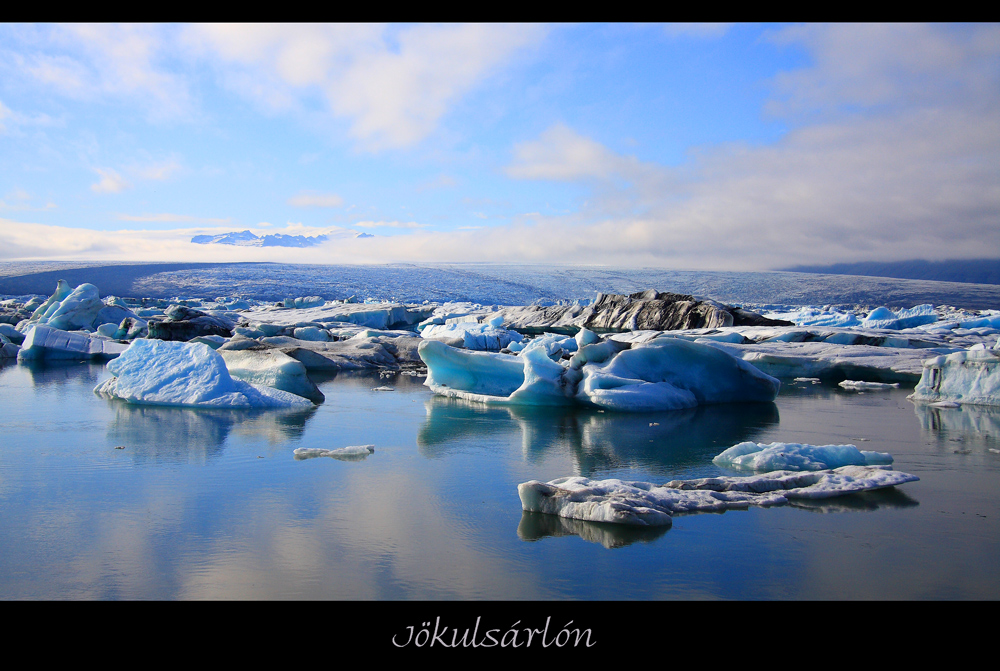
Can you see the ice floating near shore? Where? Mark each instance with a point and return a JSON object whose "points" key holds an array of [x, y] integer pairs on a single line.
{"points": [[971, 377], [350, 453], [160, 372], [797, 457], [647, 504]]}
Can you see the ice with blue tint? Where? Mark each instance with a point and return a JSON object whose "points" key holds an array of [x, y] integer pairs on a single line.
{"points": [[50, 344], [159, 372], [972, 377], [672, 373], [488, 336], [884, 318], [662, 374], [750, 456], [812, 315], [647, 504]]}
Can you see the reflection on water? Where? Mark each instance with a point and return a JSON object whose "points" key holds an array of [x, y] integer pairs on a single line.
{"points": [[535, 526], [862, 501], [159, 434], [662, 442], [59, 373], [975, 422]]}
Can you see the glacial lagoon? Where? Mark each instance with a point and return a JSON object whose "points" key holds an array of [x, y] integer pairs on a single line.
{"points": [[100, 499], [105, 500]]}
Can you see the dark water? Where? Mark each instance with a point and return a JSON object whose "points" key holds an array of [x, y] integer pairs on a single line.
{"points": [[213, 504]]}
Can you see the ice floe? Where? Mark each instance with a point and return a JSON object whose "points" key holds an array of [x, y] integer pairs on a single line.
{"points": [[350, 453], [796, 457], [646, 504], [160, 372]]}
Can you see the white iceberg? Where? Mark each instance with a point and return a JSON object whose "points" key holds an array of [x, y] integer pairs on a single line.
{"points": [[797, 457], [160, 372], [972, 376], [646, 504]]}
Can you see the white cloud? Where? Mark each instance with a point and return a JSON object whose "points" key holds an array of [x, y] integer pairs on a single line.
{"points": [[118, 60], [389, 224], [110, 182], [394, 85], [562, 154], [314, 199], [167, 218]]}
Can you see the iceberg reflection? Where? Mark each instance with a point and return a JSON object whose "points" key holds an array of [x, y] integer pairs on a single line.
{"points": [[663, 442], [535, 526], [159, 434]]}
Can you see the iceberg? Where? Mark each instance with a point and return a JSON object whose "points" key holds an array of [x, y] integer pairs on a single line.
{"points": [[161, 372], [265, 365], [661, 374], [646, 504], [46, 343], [797, 457], [972, 377]]}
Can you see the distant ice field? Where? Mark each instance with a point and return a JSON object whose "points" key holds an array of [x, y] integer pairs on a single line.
{"points": [[484, 283]]}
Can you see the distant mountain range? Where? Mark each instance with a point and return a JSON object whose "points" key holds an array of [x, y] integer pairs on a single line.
{"points": [[248, 239], [974, 271]]}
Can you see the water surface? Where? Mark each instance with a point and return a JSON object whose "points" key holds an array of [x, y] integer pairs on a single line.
{"points": [[212, 504]]}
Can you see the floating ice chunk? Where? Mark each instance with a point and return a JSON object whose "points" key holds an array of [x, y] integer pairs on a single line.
{"points": [[270, 367], [796, 457], [160, 372], [44, 342], [972, 376], [647, 504], [672, 373], [350, 453], [858, 385], [663, 374]]}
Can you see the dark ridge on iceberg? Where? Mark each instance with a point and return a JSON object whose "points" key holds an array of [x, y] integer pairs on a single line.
{"points": [[974, 271]]}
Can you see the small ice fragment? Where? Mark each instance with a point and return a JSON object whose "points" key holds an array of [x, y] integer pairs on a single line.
{"points": [[383, 389], [350, 453], [814, 380], [858, 385]]}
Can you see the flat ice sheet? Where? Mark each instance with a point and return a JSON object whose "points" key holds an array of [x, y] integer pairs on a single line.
{"points": [[646, 504]]}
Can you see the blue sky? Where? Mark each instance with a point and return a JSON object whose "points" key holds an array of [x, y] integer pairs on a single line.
{"points": [[744, 146]]}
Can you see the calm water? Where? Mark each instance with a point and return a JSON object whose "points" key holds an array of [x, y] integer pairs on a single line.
{"points": [[212, 504]]}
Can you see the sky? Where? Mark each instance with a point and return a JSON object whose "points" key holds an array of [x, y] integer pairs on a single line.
{"points": [[680, 146]]}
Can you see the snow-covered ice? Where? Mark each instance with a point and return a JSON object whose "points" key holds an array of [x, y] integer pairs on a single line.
{"points": [[646, 504]]}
